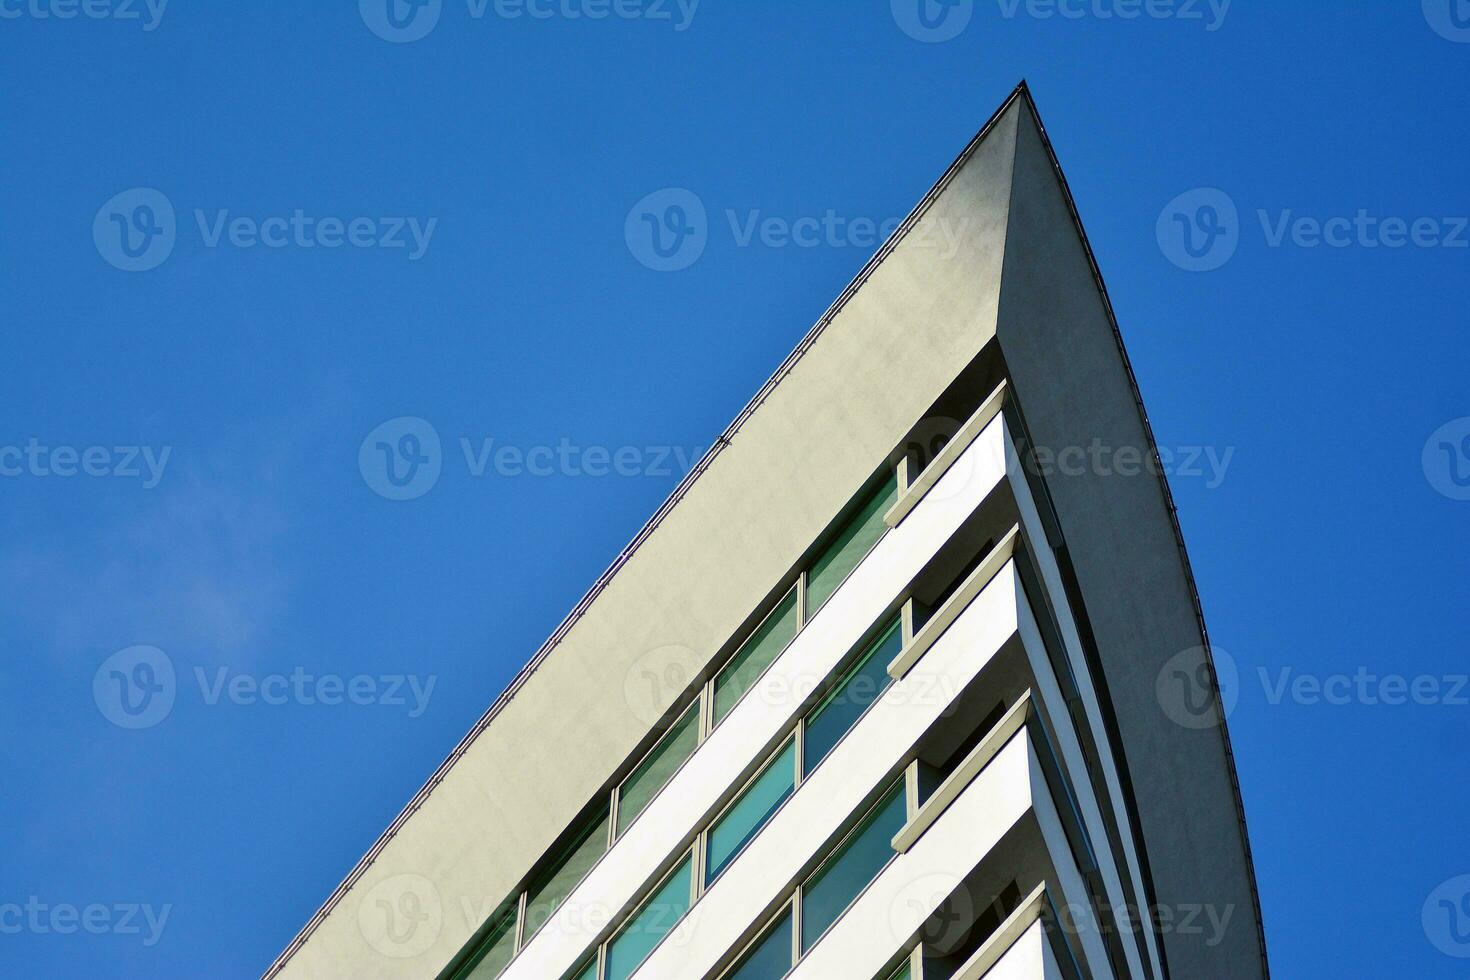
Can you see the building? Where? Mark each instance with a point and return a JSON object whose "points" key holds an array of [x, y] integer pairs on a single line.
{"points": [[880, 690]]}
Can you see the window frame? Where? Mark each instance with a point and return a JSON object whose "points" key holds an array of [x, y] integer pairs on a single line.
{"points": [[793, 740]]}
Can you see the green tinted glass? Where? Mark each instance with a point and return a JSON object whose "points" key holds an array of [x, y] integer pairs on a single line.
{"points": [[495, 953], [852, 542], [864, 683], [751, 810], [770, 958], [677, 745], [546, 897], [755, 655], [652, 923], [589, 971], [832, 889]]}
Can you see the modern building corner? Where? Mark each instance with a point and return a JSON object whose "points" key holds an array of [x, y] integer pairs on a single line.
{"points": [[884, 689]]}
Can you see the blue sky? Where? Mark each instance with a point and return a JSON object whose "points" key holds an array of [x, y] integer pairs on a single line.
{"points": [[181, 418]]}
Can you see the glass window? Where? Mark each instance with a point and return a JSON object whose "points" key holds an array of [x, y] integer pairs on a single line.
{"points": [[770, 957], [677, 745], [751, 811], [863, 684], [854, 541], [546, 897], [653, 922], [903, 973], [495, 952], [755, 655], [829, 892], [588, 970]]}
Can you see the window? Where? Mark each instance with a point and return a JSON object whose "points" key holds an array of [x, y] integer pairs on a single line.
{"points": [[677, 745], [588, 970], [903, 972], [853, 541], [755, 655], [495, 952], [750, 811], [829, 892], [770, 957], [863, 684], [655, 920], [544, 899]]}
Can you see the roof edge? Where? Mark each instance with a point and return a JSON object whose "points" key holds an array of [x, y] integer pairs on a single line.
{"points": [[1024, 90]]}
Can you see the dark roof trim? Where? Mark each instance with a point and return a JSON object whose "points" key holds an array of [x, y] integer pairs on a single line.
{"points": [[1102, 290]]}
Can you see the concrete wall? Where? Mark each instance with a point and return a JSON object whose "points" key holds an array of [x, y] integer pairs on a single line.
{"points": [[1073, 385]]}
